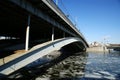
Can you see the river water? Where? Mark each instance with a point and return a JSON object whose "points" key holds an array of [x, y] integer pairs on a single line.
{"points": [[85, 66]]}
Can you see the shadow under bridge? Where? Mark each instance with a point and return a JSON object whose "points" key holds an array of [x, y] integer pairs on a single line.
{"points": [[26, 23]]}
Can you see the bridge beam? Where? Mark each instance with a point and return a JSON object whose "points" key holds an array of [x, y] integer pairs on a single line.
{"points": [[33, 10]]}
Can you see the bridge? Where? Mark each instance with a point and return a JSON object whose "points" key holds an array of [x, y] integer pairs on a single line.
{"points": [[115, 47], [38, 27]]}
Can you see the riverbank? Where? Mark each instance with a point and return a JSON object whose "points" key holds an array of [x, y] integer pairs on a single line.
{"points": [[97, 49]]}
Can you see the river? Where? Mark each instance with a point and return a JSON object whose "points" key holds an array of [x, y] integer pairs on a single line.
{"points": [[85, 66]]}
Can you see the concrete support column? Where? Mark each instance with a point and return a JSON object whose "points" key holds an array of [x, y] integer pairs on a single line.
{"points": [[52, 33], [27, 34], [63, 34]]}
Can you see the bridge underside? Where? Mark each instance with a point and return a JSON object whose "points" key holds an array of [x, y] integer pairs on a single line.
{"points": [[14, 20]]}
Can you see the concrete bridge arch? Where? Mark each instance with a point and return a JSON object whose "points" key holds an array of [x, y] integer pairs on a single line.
{"points": [[39, 51]]}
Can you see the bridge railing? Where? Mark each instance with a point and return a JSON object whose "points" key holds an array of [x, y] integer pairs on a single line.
{"points": [[57, 10]]}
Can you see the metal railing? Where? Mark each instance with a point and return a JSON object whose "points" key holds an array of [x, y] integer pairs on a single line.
{"points": [[60, 13]]}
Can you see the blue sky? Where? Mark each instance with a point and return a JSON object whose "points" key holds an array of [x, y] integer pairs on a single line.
{"points": [[96, 19]]}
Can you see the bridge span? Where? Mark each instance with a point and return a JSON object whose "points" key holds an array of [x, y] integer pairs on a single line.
{"points": [[38, 52], [27, 23], [115, 47]]}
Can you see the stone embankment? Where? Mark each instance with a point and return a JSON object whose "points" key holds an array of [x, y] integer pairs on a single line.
{"points": [[97, 49]]}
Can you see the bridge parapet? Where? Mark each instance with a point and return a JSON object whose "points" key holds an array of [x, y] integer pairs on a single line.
{"points": [[56, 9]]}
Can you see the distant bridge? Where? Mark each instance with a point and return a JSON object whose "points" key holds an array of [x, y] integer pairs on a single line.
{"points": [[27, 23], [115, 47]]}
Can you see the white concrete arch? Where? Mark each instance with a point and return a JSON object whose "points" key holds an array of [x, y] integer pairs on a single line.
{"points": [[35, 53]]}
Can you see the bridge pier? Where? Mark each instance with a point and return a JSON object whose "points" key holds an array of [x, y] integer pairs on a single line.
{"points": [[52, 33], [27, 34]]}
